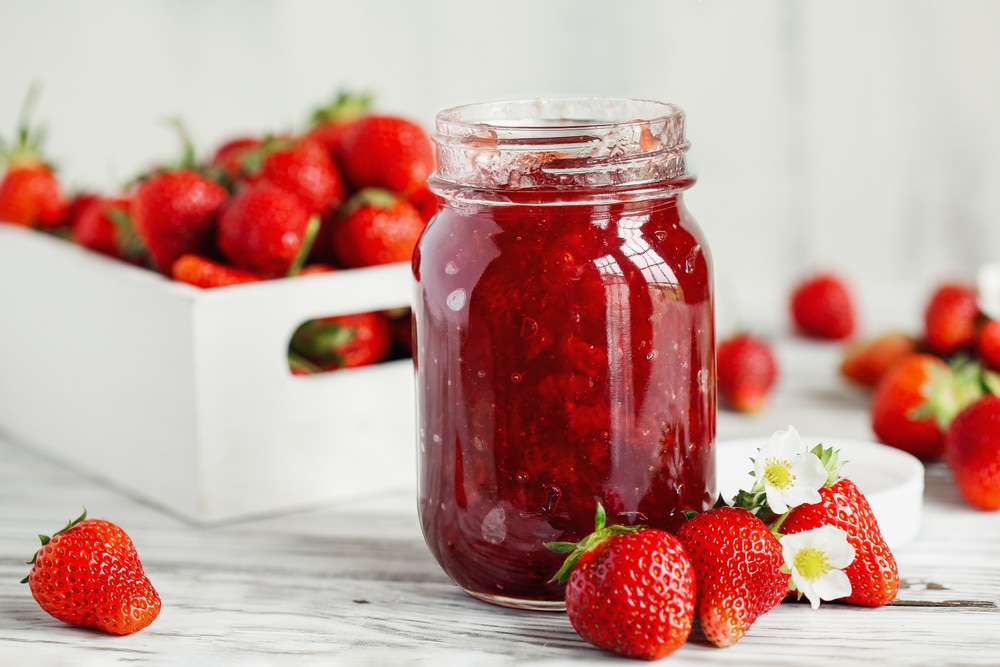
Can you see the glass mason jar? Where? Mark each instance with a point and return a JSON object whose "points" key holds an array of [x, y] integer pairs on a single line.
{"points": [[564, 337]]}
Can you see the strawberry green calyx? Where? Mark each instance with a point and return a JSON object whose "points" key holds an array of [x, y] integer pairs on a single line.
{"points": [[308, 239], [45, 539], [130, 243], [991, 382], [27, 149], [575, 550], [344, 108], [377, 197], [949, 392], [830, 458]]}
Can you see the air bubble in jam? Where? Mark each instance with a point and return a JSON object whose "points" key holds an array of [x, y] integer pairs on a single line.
{"points": [[494, 528], [529, 327], [516, 378], [456, 300], [691, 261]]}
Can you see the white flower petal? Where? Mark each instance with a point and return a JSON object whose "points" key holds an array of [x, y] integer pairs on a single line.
{"points": [[832, 586], [824, 551], [775, 499], [784, 443]]}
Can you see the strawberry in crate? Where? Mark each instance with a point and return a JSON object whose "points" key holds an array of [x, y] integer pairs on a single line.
{"points": [[30, 192]]}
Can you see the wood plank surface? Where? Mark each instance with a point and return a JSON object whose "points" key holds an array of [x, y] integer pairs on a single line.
{"points": [[354, 583]]}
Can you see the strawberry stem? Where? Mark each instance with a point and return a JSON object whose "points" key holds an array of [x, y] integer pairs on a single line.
{"points": [[45, 539], [577, 549], [308, 239]]}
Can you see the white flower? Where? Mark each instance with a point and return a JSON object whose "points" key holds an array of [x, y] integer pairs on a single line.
{"points": [[816, 559], [988, 287], [788, 472]]}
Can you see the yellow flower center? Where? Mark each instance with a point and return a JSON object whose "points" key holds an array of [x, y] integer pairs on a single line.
{"points": [[779, 474], [811, 563]]}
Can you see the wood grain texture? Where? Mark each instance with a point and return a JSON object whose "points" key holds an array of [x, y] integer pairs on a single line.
{"points": [[354, 584]]}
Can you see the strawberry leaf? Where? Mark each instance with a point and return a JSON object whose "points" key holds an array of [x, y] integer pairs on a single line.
{"points": [[576, 549]]}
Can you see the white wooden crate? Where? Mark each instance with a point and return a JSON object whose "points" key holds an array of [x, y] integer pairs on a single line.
{"points": [[183, 396]]}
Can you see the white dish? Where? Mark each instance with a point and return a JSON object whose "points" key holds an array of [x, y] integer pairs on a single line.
{"points": [[891, 480]]}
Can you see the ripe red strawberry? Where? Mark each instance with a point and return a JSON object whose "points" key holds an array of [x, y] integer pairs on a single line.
{"points": [[103, 225], [425, 201], [902, 412], [205, 273], [266, 230], [629, 590], [950, 318], [305, 169], [972, 449], [988, 344], [737, 563], [865, 362], [385, 152], [329, 123], [823, 307], [873, 573], [230, 159], [89, 575], [174, 212], [344, 341], [30, 193], [746, 370], [377, 227]]}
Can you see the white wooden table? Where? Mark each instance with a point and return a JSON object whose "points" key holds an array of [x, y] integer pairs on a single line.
{"points": [[354, 584]]}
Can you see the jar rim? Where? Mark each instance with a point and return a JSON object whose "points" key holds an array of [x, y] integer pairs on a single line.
{"points": [[598, 143], [545, 114]]}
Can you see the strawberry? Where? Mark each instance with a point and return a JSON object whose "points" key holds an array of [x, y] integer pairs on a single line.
{"points": [[329, 123], [915, 400], [629, 590], [425, 201], [344, 341], [823, 307], [950, 318], [972, 449], [266, 230], [377, 227], [873, 573], [30, 193], [746, 370], [103, 225], [988, 344], [229, 161], [305, 169], [89, 575], [865, 362], [385, 152], [205, 273], [174, 212], [737, 562]]}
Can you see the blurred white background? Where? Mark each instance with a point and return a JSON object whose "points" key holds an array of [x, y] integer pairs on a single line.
{"points": [[853, 135]]}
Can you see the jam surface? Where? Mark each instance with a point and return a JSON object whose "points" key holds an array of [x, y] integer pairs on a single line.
{"points": [[564, 356]]}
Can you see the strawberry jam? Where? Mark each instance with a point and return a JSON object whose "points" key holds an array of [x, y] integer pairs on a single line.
{"points": [[563, 317]]}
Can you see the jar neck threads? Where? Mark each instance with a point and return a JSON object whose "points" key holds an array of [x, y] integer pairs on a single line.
{"points": [[605, 147]]}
